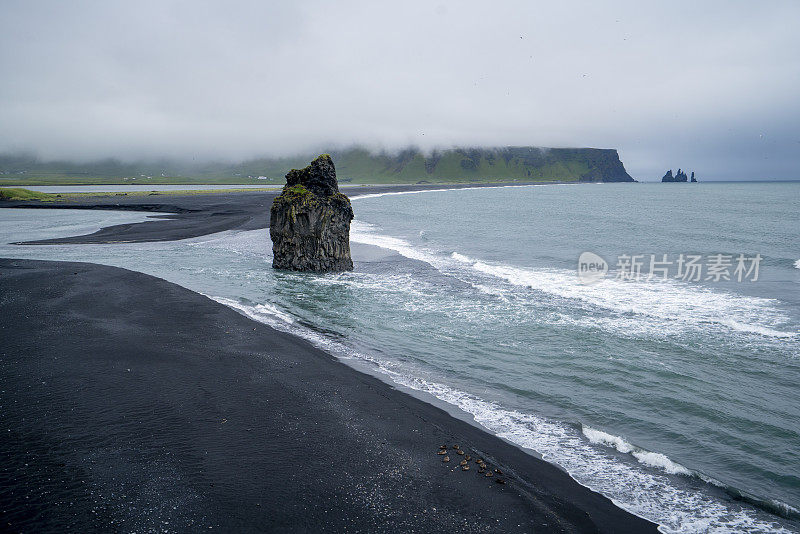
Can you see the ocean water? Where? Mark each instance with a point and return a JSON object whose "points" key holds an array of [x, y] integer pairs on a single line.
{"points": [[678, 399]]}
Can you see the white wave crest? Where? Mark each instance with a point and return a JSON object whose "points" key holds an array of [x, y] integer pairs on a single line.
{"points": [[664, 301], [460, 257], [263, 313], [669, 306], [651, 459], [444, 190], [395, 193], [797, 264], [360, 233]]}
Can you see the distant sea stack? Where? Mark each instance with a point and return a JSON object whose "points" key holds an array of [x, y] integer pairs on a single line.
{"points": [[680, 177], [310, 221]]}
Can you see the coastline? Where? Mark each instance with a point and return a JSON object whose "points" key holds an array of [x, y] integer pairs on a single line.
{"points": [[149, 384], [465, 416], [195, 215]]}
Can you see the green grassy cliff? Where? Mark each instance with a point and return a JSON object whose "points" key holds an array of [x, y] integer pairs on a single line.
{"points": [[353, 165]]}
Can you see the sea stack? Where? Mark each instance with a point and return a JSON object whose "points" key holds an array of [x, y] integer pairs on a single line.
{"points": [[310, 221], [680, 177]]}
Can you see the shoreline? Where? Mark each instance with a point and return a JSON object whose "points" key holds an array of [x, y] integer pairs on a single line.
{"points": [[195, 215], [383, 379], [281, 419]]}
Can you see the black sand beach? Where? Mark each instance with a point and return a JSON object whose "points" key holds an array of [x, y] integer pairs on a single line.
{"points": [[190, 215], [132, 404]]}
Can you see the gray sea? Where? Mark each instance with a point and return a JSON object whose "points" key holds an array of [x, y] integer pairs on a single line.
{"points": [[671, 384]]}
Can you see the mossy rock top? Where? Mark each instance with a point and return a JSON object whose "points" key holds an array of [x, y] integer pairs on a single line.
{"points": [[313, 187], [319, 177]]}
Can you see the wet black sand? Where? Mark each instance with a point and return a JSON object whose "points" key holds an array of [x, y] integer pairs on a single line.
{"points": [[189, 215], [129, 403]]}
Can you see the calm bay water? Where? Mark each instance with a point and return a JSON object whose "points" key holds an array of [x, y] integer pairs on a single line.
{"points": [[680, 400]]}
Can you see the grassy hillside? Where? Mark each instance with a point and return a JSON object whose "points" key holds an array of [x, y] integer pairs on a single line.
{"points": [[354, 165], [11, 193]]}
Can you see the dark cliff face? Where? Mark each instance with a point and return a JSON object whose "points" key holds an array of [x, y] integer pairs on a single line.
{"points": [[604, 164], [472, 164], [310, 221]]}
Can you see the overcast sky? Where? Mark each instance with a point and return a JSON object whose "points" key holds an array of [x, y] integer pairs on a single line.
{"points": [[709, 86]]}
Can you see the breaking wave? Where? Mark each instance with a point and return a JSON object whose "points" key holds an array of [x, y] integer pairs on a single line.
{"points": [[418, 191], [656, 307], [652, 459], [647, 490]]}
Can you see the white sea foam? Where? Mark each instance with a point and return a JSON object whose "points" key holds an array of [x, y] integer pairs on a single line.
{"points": [[395, 193], [655, 307], [264, 313], [360, 233], [645, 489], [785, 508], [596, 436], [419, 191], [460, 257], [797, 264], [661, 300], [649, 458]]}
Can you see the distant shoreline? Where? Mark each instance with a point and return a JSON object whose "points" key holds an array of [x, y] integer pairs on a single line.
{"points": [[193, 214], [354, 164], [201, 212], [112, 187]]}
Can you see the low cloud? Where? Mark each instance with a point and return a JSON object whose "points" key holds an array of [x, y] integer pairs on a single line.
{"points": [[711, 87]]}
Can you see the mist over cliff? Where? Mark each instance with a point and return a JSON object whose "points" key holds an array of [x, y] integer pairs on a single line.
{"points": [[714, 88]]}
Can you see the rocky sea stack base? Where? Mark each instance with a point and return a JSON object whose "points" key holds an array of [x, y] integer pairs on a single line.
{"points": [[310, 221], [680, 177]]}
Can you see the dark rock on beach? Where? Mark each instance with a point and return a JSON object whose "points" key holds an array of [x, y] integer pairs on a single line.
{"points": [[310, 221]]}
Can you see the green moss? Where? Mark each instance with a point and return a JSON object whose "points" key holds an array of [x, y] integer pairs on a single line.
{"points": [[296, 195], [341, 197], [297, 189], [297, 199], [24, 194]]}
